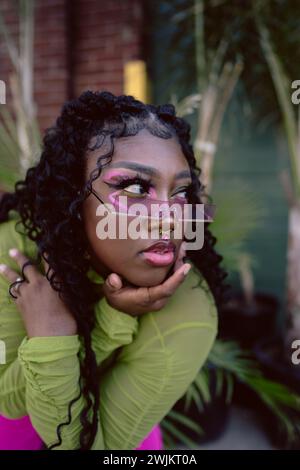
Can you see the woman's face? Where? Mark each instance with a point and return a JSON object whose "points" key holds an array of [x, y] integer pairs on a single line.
{"points": [[163, 166]]}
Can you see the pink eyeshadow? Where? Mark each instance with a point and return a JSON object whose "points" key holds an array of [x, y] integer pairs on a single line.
{"points": [[112, 174]]}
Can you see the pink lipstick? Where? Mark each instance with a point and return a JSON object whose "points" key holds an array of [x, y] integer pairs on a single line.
{"points": [[161, 253]]}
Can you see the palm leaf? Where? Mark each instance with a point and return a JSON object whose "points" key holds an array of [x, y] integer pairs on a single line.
{"points": [[171, 430], [282, 86], [231, 364], [20, 138]]}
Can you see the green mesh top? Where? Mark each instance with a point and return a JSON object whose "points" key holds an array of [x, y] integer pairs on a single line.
{"points": [[159, 356]]}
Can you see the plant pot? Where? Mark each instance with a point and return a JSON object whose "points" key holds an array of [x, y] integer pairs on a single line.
{"points": [[277, 434], [277, 365], [213, 419], [248, 323]]}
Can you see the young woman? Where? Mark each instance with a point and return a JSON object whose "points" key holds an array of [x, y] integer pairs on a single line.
{"points": [[102, 336]]}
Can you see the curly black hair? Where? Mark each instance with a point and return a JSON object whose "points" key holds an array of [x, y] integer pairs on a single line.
{"points": [[50, 198]]}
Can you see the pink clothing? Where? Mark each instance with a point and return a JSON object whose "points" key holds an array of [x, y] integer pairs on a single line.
{"points": [[153, 441], [19, 434]]}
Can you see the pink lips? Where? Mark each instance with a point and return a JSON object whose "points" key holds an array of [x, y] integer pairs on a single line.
{"points": [[160, 254]]}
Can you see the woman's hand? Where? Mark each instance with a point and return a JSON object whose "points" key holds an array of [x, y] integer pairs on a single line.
{"points": [[180, 257], [42, 310], [138, 300]]}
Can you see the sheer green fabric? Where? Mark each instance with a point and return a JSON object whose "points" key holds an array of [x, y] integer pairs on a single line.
{"points": [[148, 362]]}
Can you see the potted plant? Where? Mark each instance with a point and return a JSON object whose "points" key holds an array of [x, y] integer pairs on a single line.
{"points": [[255, 311], [275, 352], [277, 405]]}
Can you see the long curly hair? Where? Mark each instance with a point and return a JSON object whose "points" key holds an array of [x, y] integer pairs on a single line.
{"points": [[49, 202]]}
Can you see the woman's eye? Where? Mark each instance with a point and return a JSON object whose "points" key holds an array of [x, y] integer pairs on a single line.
{"points": [[182, 194], [135, 189]]}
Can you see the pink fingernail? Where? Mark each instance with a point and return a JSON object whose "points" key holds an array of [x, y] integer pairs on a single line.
{"points": [[2, 268], [186, 269], [13, 252], [113, 282]]}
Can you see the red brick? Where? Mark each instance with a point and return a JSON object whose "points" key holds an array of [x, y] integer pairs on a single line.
{"points": [[105, 33]]}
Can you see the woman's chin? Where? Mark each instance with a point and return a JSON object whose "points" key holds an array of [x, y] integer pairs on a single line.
{"points": [[153, 277]]}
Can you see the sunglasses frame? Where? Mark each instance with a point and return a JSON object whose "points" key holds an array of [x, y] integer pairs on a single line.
{"points": [[102, 202]]}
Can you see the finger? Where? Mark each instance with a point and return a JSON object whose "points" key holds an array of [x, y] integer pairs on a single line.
{"points": [[171, 284], [8, 273], [181, 254], [113, 283], [30, 271]]}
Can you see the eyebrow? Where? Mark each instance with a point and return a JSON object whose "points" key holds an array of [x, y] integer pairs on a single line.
{"points": [[148, 170]]}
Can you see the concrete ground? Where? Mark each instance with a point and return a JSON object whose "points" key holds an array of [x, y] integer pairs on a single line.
{"points": [[243, 433]]}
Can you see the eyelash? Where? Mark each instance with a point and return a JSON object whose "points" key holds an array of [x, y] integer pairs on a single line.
{"points": [[129, 180], [143, 182]]}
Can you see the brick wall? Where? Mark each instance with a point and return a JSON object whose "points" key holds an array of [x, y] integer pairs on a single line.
{"points": [[116, 38], [79, 45]]}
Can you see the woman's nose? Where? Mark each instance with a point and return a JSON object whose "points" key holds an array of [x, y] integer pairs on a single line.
{"points": [[162, 220]]}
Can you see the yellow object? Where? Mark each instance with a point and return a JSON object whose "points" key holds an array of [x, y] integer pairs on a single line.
{"points": [[136, 80]]}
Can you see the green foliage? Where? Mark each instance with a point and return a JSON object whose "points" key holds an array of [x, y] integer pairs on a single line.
{"points": [[172, 24], [11, 168], [232, 364], [20, 138], [238, 214]]}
